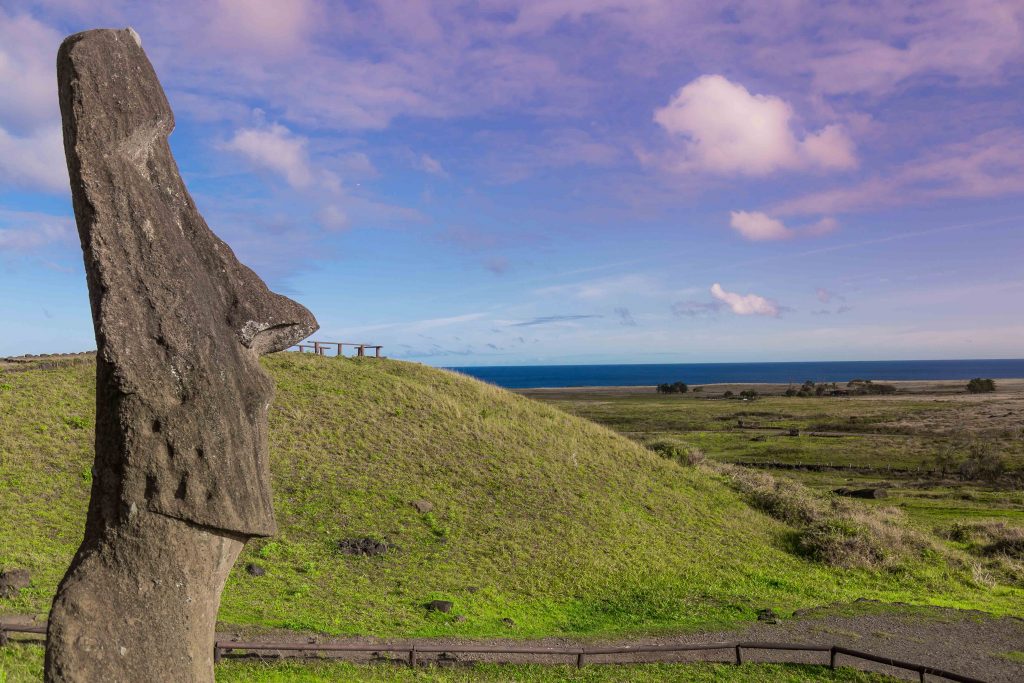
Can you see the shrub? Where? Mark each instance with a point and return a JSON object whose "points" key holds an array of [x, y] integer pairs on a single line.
{"points": [[981, 386], [946, 462], [830, 530], [748, 393], [982, 463], [674, 388], [790, 391], [683, 455], [727, 394], [841, 542]]}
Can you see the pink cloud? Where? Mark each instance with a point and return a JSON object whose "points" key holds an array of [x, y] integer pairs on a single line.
{"points": [[273, 27], [725, 129], [745, 304], [758, 227], [989, 165], [968, 40]]}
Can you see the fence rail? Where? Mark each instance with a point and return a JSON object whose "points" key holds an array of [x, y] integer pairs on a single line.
{"points": [[321, 348], [412, 652]]}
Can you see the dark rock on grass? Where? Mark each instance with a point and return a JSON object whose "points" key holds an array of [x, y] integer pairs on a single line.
{"points": [[508, 622], [423, 506], [255, 570], [769, 616], [12, 581], [367, 547], [440, 606], [861, 493]]}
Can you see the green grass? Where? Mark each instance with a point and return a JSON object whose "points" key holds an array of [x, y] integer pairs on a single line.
{"points": [[24, 664], [554, 522], [1013, 656]]}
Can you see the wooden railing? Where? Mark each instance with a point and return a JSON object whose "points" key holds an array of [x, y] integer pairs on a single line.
{"points": [[605, 655], [321, 348]]}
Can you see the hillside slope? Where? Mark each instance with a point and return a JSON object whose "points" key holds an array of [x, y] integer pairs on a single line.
{"points": [[542, 523]]}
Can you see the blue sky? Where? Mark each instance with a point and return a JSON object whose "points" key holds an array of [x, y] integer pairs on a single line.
{"points": [[567, 181]]}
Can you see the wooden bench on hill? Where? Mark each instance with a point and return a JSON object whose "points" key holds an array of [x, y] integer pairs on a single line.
{"points": [[320, 348]]}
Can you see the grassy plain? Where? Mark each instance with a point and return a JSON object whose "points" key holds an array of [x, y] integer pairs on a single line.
{"points": [[854, 442]]}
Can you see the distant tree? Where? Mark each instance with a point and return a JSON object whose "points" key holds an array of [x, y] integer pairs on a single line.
{"points": [[664, 388], [748, 393], [680, 387], [820, 390], [674, 388], [791, 391], [981, 386], [727, 394]]}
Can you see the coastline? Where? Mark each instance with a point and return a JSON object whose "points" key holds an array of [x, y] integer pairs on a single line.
{"points": [[945, 387]]}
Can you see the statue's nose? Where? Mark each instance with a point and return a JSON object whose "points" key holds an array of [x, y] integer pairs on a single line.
{"points": [[270, 322]]}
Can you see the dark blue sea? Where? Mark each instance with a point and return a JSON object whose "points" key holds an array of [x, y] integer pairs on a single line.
{"points": [[531, 376]]}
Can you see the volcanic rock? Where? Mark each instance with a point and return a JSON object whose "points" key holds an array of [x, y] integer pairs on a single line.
{"points": [[181, 474]]}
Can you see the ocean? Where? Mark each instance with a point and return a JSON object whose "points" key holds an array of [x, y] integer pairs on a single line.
{"points": [[532, 376]]}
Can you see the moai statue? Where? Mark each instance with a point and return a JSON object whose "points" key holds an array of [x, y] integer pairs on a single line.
{"points": [[181, 478]]}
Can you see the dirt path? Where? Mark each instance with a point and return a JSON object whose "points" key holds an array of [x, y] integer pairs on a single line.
{"points": [[964, 642]]}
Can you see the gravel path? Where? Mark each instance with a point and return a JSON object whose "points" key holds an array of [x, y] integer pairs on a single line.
{"points": [[965, 642]]}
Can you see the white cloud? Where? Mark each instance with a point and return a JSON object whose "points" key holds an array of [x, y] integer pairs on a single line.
{"points": [[758, 226], [29, 93], [277, 149], [334, 218], [745, 304], [432, 166], [25, 230], [728, 130], [35, 161], [31, 149]]}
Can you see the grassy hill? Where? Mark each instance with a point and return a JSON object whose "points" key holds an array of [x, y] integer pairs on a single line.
{"points": [[542, 523]]}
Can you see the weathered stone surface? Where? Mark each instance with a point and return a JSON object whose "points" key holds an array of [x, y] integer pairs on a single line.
{"points": [[423, 506], [181, 477]]}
